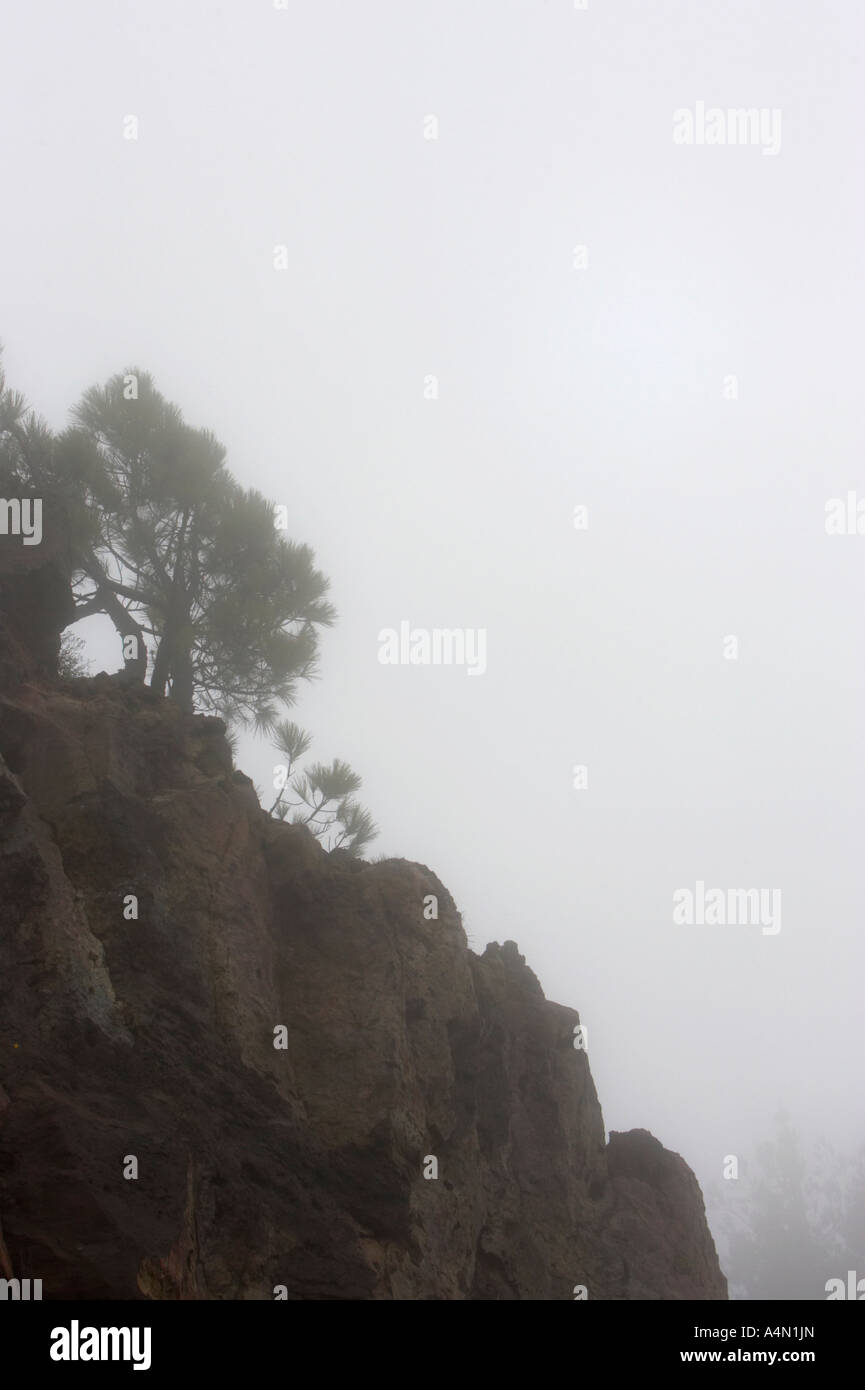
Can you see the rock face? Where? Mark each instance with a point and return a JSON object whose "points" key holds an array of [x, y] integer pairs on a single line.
{"points": [[151, 1040]]}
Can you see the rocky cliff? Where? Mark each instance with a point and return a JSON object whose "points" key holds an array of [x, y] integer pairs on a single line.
{"points": [[277, 1041]]}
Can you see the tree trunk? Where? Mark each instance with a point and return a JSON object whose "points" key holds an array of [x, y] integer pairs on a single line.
{"points": [[127, 627], [161, 664], [181, 684]]}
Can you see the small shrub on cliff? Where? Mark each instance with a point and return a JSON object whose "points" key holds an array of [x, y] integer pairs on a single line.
{"points": [[71, 661], [320, 797]]}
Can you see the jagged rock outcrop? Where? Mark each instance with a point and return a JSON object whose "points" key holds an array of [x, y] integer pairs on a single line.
{"points": [[152, 1038]]}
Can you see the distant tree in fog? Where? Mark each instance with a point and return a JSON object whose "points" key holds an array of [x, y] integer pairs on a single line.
{"points": [[796, 1221]]}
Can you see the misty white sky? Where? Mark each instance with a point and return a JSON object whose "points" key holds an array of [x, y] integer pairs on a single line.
{"points": [[558, 386]]}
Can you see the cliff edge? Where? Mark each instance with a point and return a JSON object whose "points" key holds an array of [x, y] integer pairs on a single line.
{"points": [[276, 1040]]}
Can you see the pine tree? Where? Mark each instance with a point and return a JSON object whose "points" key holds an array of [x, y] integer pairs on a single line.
{"points": [[323, 799], [185, 562], [192, 572]]}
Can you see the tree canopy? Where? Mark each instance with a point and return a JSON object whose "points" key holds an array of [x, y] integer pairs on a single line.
{"points": [[187, 564]]}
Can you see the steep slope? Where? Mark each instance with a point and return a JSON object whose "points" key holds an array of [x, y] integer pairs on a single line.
{"points": [[152, 1038]]}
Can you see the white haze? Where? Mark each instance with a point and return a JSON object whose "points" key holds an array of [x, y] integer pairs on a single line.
{"points": [[558, 386]]}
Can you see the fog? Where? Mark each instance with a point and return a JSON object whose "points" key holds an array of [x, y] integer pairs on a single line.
{"points": [[508, 293]]}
